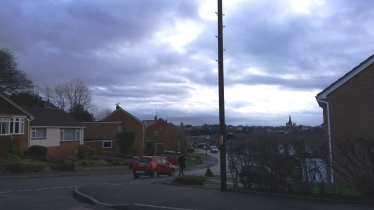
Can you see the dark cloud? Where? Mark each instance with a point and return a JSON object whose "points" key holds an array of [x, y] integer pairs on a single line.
{"points": [[123, 51]]}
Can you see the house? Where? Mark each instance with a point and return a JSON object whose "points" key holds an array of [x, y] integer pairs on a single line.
{"points": [[56, 130], [166, 135], [348, 105], [100, 137], [128, 123], [14, 124]]}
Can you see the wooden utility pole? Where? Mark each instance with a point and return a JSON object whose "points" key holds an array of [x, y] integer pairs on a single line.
{"points": [[222, 125]]}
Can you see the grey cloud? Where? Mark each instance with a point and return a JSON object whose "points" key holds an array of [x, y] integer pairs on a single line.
{"points": [[108, 44]]}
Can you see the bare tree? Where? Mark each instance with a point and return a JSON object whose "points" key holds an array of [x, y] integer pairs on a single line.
{"points": [[99, 114], [12, 79], [67, 95], [78, 93]]}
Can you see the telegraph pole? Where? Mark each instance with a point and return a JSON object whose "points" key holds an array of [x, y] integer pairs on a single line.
{"points": [[222, 126]]}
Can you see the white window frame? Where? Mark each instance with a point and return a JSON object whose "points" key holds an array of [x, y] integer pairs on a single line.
{"points": [[76, 134], [17, 125], [34, 133], [156, 133], [4, 126], [14, 125], [111, 144]]}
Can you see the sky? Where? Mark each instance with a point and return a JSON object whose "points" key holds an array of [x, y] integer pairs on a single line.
{"points": [[158, 57]]}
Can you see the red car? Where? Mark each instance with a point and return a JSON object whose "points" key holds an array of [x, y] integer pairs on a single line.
{"points": [[152, 166], [173, 159]]}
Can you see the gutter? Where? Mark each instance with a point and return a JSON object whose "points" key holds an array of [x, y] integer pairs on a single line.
{"points": [[329, 136]]}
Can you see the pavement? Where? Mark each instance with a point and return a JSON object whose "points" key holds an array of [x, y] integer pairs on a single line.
{"points": [[158, 194]]}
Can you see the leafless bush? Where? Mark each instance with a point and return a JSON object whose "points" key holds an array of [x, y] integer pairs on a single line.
{"points": [[290, 163], [353, 163]]}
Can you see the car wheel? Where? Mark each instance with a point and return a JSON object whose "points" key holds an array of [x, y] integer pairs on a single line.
{"points": [[154, 173], [136, 176], [172, 172]]}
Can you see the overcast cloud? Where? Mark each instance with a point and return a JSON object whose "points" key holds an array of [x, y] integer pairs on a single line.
{"points": [[161, 55]]}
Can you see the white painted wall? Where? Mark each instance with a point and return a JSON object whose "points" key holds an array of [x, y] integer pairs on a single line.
{"points": [[53, 138]]}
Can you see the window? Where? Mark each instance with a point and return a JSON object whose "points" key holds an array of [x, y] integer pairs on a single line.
{"points": [[123, 127], [156, 133], [4, 126], [38, 133], [69, 134], [107, 144], [16, 125], [11, 126]]}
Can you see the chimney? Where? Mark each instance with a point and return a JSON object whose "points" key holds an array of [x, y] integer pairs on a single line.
{"points": [[117, 106]]}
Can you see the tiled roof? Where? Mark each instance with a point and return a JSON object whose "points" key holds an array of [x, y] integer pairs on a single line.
{"points": [[118, 109], [16, 105], [346, 77], [50, 117]]}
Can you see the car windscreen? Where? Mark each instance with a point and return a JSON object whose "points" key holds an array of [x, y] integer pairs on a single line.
{"points": [[144, 160], [213, 147]]}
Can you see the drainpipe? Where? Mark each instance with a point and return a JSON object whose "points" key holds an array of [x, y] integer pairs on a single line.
{"points": [[143, 140], [28, 132], [329, 136]]}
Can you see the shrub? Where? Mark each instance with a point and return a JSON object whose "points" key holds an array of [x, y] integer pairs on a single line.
{"points": [[15, 168], [84, 163], [64, 165], [189, 180], [36, 167], [6, 158], [102, 162], [82, 152], [209, 173], [117, 162], [37, 151]]}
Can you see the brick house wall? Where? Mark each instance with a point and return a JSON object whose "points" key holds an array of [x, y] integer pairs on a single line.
{"points": [[129, 123], [19, 141], [66, 149], [98, 149], [167, 137], [101, 130], [96, 133], [351, 107]]}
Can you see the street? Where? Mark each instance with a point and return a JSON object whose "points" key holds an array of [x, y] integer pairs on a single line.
{"points": [[56, 192]]}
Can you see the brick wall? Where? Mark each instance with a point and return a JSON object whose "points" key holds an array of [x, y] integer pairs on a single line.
{"points": [[66, 149], [131, 124], [99, 150], [351, 110], [352, 106], [167, 135], [101, 130]]}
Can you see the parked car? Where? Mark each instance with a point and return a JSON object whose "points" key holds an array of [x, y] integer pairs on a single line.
{"points": [[152, 166], [170, 152], [257, 176], [213, 149], [173, 159]]}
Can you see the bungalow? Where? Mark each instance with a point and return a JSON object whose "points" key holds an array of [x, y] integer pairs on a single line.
{"points": [[56, 130], [14, 126], [22, 127]]}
